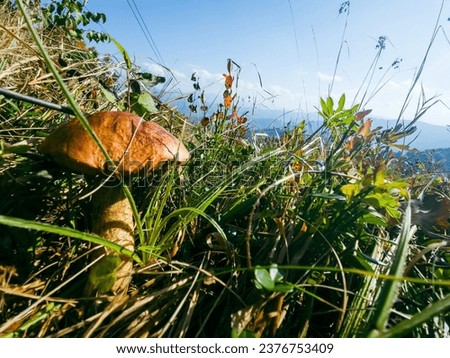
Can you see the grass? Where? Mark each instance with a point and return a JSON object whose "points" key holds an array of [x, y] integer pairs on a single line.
{"points": [[307, 235]]}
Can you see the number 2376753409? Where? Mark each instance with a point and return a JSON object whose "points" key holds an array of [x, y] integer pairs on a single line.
{"points": [[299, 348]]}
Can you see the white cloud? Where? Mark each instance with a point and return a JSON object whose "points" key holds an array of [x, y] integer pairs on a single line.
{"points": [[385, 104], [206, 77], [154, 68], [178, 75], [159, 70], [324, 77]]}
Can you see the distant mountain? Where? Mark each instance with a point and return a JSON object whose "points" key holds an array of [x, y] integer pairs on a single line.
{"points": [[434, 160], [431, 141], [427, 136]]}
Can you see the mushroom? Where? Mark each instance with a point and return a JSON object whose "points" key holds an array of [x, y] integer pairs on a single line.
{"points": [[136, 147]]}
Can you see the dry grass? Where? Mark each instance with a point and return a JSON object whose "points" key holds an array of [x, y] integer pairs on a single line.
{"points": [[23, 71]]}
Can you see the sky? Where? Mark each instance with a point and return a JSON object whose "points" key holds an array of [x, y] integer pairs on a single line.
{"points": [[287, 51]]}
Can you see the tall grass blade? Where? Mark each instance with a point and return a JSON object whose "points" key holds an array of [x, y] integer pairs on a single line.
{"points": [[69, 232], [389, 291], [406, 326]]}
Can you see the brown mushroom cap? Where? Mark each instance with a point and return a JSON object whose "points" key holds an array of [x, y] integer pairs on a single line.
{"points": [[134, 145]]}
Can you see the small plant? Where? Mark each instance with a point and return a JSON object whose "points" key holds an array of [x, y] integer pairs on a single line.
{"points": [[224, 120]]}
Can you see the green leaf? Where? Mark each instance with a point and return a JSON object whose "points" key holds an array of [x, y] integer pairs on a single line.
{"points": [[151, 80], [147, 102], [374, 218], [275, 274], [316, 278], [330, 104], [380, 176], [264, 279], [77, 7], [442, 274], [103, 274], [325, 110], [283, 287], [357, 262], [396, 185], [271, 280], [124, 53], [341, 103], [244, 334], [382, 200], [108, 95], [441, 306], [393, 212], [350, 190], [72, 33], [389, 292]]}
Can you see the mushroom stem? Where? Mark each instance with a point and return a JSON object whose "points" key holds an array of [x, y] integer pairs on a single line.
{"points": [[112, 219]]}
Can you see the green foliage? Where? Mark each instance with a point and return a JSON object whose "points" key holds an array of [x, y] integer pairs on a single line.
{"points": [[338, 119], [136, 99], [271, 280], [378, 193], [126, 56], [143, 103], [72, 16], [102, 275], [437, 308]]}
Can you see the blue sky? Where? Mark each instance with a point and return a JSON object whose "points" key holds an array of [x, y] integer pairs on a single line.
{"points": [[293, 45]]}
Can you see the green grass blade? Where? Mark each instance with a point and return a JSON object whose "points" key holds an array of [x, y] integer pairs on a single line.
{"points": [[404, 327], [64, 231], [122, 50], [155, 223], [389, 291], [136, 216], [189, 214]]}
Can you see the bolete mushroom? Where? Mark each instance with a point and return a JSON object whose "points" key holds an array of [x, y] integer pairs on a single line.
{"points": [[136, 147]]}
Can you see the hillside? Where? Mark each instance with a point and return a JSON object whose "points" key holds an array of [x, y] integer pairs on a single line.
{"points": [[431, 141], [427, 136], [436, 160]]}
